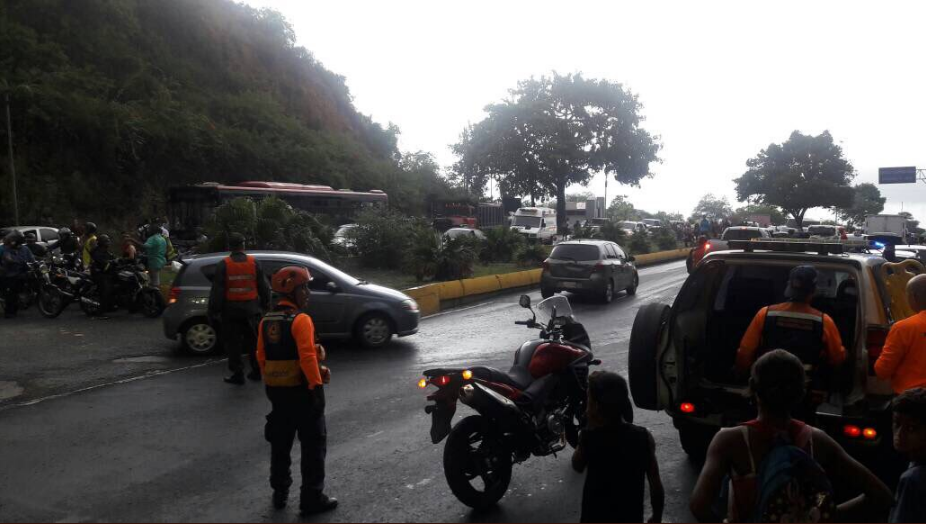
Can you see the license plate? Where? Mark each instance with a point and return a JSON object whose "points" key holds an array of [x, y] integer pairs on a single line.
{"points": [[570, 285]]}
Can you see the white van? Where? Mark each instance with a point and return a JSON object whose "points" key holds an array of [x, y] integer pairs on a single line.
{"points": [[535, 223]]}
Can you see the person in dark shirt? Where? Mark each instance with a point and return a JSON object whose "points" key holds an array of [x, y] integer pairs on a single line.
{"points": [[38, 250], [618, 456], [910, 440]]}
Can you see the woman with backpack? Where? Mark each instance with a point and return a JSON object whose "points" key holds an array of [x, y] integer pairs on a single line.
{"points": [[778, 469]]}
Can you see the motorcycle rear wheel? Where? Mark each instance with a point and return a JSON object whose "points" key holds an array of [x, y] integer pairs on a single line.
{"points": [[51, 301], [151, 302], [470, 455]]}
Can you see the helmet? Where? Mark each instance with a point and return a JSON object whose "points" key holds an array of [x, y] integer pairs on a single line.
{"points": [[288, 279], [29, 236], [64, 232], [15, 236], [104, 241], [90, 227]]}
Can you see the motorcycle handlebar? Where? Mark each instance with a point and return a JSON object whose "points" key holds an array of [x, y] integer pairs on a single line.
{"points": [[522, 322]]}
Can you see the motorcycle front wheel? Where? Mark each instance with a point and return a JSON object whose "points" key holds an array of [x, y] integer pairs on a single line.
{"points": [[151, 302], [477, 467], [51, 301]]}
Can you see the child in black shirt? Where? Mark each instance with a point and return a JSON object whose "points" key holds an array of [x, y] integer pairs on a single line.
{"points": [[910, 440], [618, 455]]}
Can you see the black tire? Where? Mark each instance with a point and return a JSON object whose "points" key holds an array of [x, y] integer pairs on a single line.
{"points": [[151, 302], [695, 439], [632, 290], [198, 337], [644, 340], [51, 301], [374, 330], [466, 449], [607, 294], [546, 292]]}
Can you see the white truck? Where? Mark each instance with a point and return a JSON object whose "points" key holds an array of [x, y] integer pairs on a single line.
{"points": [[895, 224], [535, 223]]}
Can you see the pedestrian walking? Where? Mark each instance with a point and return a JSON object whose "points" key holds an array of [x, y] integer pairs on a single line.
{"points": [[239, 295], [618, 456], [155, 253], [910, 440], [14, 268], [903, 359], [290, 359]]}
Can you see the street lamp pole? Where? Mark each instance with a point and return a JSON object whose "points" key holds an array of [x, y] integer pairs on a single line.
{"points": [[9, 136]]}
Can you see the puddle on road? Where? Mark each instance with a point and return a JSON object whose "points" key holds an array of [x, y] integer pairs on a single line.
{"points": [[142, 360], [9, 389]]}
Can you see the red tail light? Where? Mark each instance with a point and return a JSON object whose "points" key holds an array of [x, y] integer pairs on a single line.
{"points": [[707, 247], [598, 267], [546, 265], [874, 343], [174, 295], [440, 381], [851, 431], [687, 407]]}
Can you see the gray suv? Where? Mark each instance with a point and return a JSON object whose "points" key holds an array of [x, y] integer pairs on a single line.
{"points": [[340, 305], [598, 267]]}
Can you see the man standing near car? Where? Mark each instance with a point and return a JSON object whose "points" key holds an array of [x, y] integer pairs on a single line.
{"points": [[796, 327], [289, 361], [238, 297], [903, 360]]}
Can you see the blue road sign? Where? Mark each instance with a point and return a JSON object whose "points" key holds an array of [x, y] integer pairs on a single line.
{"points": [[897, 175]]}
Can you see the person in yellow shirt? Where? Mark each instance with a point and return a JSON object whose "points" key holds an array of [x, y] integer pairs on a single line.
{"points": [[903, 359], [290, 364]]}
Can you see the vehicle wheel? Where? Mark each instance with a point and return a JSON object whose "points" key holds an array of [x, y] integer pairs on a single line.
{"points": [[695, 440], [151, 302], [632, 290], [51, 301], [644, 340], [95, 309], [478, 469], [199, 338], [374, 330], [546, 292], [608, 294]]}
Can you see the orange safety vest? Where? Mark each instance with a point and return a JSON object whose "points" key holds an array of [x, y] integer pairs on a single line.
{"points": [[240, 280]]}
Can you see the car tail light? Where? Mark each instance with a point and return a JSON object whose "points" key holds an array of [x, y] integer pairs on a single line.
{"points": [[851, 431], [441, 381], [598, 267], [174, 295], [707, 247], [687, 407], [874, 343], [869, 433], [546, 265]]}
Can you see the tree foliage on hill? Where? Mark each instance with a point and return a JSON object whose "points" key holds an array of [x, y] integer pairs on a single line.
{"points": [[114, 101], [556, 131], [804, 172], [712, 207], [866, 201]]}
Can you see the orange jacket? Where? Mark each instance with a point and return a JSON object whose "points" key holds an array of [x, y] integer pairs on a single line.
{"points": [[746, 354], [303, 330], [903, 359]]}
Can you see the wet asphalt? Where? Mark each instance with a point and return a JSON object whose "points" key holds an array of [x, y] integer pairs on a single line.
{"points": [[103, 420]]}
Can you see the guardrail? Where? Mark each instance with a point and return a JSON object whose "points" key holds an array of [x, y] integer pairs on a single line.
{"points": [[434, 298]]}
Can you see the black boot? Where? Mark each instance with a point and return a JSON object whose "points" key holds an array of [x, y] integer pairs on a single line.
{"points": [[317, 504], [235, 378], [279, 498]]}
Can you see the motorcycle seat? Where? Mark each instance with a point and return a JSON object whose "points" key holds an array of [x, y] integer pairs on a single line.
{"points": [[517, 377]]}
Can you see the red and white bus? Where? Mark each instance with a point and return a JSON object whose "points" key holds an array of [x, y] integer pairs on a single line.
{"points": [[190, 206]]}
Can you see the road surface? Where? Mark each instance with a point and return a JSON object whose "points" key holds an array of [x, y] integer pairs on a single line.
{"points": [[103, 420]]}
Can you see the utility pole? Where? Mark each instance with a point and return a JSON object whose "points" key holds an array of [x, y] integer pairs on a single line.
{"points": [[9, 136]]}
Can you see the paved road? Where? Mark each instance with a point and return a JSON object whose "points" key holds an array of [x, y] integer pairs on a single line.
{"points": [[169, 441]]}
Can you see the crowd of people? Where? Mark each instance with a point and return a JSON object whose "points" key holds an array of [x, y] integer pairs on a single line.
{"points": [[83, 247]]}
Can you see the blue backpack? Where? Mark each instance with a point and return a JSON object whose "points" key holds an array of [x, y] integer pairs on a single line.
{"points": [[792, 487]]}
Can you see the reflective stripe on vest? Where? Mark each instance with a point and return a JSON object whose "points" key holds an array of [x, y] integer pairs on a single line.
{"points": [[800, 334], [240, 280], [281, 367]]}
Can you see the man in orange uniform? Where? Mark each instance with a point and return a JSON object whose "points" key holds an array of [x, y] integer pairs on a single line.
{"points": [[796, 327], [903, 360], [289, 361], [238, 297]]}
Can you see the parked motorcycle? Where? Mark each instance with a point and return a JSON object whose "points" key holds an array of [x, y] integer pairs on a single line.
{"points": [[36, 277], [131, 291], [66, 285], [533, 409]]}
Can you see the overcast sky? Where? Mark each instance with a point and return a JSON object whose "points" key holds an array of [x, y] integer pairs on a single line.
{"points": [[719, 81]]}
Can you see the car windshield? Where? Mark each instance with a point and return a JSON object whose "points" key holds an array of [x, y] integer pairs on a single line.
{"points": [[556, 305], [627, 225], [520, 220], [575, 252], [741, 234]]}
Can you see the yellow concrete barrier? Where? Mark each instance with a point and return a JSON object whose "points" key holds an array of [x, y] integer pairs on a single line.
{"points": [[480, 285], [534, 274], [450, 290], [427, 297], [661, 256], [512, 280]]}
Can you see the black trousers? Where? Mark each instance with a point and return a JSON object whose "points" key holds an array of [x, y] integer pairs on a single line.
{"points": [[297, 411], [11, 286], [239, 334]]}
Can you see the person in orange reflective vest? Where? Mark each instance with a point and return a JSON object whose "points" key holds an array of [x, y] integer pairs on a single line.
{"points": [[290, 362], [239, 295]]}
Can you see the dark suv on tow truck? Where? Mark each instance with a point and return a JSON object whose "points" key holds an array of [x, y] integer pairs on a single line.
{"points": [[681, 357]]}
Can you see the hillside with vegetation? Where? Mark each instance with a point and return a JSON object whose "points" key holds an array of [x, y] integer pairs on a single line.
{"points": [[114, 101]]}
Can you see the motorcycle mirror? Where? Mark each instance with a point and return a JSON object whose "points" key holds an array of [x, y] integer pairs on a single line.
{"points": [[525, 301]]}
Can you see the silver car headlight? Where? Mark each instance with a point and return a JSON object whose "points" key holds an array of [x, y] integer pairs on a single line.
{"points": [[410, 305]]}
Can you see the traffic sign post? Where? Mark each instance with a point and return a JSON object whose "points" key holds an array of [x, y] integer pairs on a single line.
{"points": [[897, 175]]}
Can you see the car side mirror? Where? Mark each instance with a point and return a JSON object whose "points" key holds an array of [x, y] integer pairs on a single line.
{"points": [[525, 301], [332, 287], [631, 258]]}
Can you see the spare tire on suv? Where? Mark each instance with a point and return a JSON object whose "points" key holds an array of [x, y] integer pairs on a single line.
{"points": [[642, 366]]}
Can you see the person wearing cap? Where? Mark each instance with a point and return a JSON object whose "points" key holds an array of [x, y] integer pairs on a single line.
{"points": [[14, 265], [38, 250], [239, 295], [796, 327], [903, 359], [290, 363]]}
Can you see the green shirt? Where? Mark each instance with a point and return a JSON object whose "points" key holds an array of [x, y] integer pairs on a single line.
{"points": [[156, 250]]}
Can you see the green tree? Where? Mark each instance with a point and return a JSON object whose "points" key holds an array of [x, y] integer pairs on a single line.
{"points": [[804, 172], [621, 209], [713, 207], [866, 201], [557, 131], [743, 213]]}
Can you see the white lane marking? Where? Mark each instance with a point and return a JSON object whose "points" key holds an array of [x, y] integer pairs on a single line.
{"points": [[150, 374], [374, 434]]}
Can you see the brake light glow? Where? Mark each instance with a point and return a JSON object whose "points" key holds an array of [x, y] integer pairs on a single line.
{"points": [[598, 267], [870, 433], [174, 295], [546, 264], [687, 407], [707, 247], [874, 343], [423, 383], [441, 381], [467, 374], [851, 431]]}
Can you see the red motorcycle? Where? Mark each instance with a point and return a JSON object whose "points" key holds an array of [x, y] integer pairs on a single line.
{"points": [[533, 409]]}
